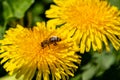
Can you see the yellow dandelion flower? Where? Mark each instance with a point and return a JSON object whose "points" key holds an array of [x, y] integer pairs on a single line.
{"points": [[39, 51], [90, 22]]}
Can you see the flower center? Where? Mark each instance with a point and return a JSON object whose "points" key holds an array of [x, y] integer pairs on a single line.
{"points": [[86, 15]]}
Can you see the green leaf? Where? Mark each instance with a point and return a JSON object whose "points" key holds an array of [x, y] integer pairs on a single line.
{"points": [[89, 73], [47, 1], [12, 77], [98, 64], [115, 2], [1, 30], [15, 8], [38, 9], [7, 11], [105, 60], [78, 77]]}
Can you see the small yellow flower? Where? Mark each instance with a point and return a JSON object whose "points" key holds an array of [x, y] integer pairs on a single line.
{"points": [[23, 53], [90, 22]]}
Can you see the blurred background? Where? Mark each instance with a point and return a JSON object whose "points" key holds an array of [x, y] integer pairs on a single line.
{"points": [[94, 65]]}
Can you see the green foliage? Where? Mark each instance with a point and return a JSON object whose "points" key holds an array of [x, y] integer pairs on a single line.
{"points": [[12, 9], [15, 8], [96, 66], [115, 2], [7, 77], [1, 30]]}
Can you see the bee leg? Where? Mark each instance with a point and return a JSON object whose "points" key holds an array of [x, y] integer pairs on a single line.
{"points": [[49, 46], [42, 45], [55, 44]]}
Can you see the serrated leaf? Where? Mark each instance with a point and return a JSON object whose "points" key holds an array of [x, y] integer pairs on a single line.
{"points": [[15, 8]]}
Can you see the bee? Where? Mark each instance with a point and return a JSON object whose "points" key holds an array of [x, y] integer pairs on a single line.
{"points": [[52, 40]]}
